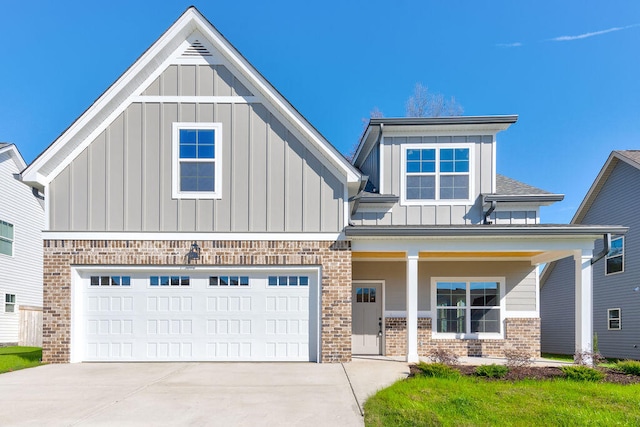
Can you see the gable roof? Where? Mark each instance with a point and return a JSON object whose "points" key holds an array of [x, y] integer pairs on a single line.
{"points": [[13, 153], [144, 71], [506, 185], [631, 157], [511, 190]]}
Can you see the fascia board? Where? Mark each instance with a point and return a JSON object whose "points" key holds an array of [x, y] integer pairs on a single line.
{"points": [[604, 173], [15, 155], [484, 231], [149, 59], [272, 95], [524, 198]]}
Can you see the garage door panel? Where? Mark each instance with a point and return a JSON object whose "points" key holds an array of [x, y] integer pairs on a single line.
{"points": [[251, 321]]}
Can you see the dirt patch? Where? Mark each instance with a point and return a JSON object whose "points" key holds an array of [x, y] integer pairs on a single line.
{"points": [[542, 373]]}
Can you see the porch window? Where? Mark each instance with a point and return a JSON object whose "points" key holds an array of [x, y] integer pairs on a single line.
{"points": [[437, 173], [615, 257], [468, 307]]}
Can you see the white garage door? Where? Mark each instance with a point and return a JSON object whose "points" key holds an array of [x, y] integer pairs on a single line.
{"points": [[196, 316]]}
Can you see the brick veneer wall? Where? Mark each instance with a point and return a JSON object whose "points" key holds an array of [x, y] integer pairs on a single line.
{"points": [[520, 334], [333, 257]]}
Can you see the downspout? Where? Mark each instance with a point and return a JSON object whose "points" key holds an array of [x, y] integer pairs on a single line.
{"points": [[604, 251], [356, 199], [488, 213]]}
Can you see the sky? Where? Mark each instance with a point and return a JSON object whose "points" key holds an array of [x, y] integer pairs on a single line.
{"points": [[569, 69]]}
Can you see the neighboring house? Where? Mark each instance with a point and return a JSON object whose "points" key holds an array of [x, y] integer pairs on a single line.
{"points": [[614, 198], [194, 214], [21, 224]]}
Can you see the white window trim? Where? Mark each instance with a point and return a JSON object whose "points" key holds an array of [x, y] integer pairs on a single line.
{"points": [[437, 201], [11, 241], [175, 161], [483, 335], [619, 319], [620, 255]]}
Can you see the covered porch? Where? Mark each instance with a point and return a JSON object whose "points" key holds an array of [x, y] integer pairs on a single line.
{"points": [[470, 290]]}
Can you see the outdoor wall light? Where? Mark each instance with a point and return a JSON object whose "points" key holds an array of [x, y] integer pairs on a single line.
{"points": [[194, 253]]}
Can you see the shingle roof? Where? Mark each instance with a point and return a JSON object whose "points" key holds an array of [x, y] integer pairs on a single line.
{"points": [[506, 185], [4, 144]]}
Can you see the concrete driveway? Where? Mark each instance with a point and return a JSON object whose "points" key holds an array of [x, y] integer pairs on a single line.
{"points": [[194, 394]]}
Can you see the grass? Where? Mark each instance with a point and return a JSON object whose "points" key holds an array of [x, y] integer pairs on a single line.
{"points": [[14, 358], [468, 401], [609, 363]]}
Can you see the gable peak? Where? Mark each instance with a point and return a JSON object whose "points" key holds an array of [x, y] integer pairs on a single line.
{"points": [[195, 49]]}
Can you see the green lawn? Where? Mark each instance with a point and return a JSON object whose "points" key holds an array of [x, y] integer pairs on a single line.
{"points": [[467, 401], [14, 358]]}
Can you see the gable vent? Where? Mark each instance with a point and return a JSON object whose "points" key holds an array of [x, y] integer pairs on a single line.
{"points": [[196, 49]]}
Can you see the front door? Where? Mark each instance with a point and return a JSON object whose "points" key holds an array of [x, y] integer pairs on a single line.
{"points": [[367, 318]]}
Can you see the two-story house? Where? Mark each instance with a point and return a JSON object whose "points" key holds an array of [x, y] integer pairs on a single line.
{"points": [[193, 214], [21, 222], [612, 198]]}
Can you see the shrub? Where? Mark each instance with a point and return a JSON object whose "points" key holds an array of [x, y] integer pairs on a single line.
{"points": [[582, 373], [437, 370], [630, 367], [492, 371], [441, 355], [517, 358]]}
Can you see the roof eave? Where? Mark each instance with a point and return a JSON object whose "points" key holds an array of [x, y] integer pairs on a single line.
{"points": [[484, 231], [524, 198]]}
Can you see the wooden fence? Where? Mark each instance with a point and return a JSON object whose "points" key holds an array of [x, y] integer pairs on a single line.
{"points": [[30, 328]]}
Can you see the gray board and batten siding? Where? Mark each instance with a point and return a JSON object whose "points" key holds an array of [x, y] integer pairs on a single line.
{"points": [[122, 180], [617, 202], [427, 214]]}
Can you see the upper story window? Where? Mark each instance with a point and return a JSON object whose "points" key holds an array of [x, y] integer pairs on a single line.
{"points": [[197, 166], [615, 257], [436, 173], [6, 238]]}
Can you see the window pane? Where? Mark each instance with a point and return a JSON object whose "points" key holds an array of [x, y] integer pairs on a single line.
{"points": [[614, 314], [358, 294], [372, 295], [197, 176], [95, 280], [187, 151], [6, 230], [451, 320], [614, 265], [420, 187], [244, 281], [484, 294], [293, 280], [429, 154], [451, 294], [5, 247], [115, 281], [184, 281], [616, 247], [104, 281], [206, 136], [213, 280], [485, 320], [365, 295], [454, 187], [614, 324], [153, 281], [187, 136], [304, 281], [224, 281], [273, 280], [282, 280], [413, 155], [429, 167], [164, 281], [413, 167], [446, 154], [205, 152]]}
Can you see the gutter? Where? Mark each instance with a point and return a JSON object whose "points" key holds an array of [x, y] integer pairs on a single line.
{"points": [[482, 231]]}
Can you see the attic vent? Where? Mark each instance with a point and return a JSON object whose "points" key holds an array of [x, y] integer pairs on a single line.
{"points": [[196, 49]]}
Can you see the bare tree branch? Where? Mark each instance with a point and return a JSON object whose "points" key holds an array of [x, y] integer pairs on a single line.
{"points": [[426, 104]]}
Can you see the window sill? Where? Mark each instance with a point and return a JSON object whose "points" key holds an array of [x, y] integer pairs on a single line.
{"points": [[196, 196], [485, 336]]}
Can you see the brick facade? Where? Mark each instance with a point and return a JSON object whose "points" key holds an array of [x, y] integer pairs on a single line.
{"points": [[333, 257], [520, 334]]}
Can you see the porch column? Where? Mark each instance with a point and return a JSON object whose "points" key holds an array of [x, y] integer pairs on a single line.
{"points": [[412, 308], [584, 301]]}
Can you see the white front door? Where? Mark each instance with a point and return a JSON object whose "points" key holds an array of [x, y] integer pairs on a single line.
{"points": [[367, 318]]}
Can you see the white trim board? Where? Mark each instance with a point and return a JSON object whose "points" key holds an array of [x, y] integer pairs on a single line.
{"points": [[126, 235]]}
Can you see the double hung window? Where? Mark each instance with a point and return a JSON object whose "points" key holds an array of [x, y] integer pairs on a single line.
{"points": [[197, 160], [613, 319], [468, 307], [437, 173]]}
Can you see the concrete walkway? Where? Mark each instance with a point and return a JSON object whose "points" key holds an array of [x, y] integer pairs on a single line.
{"points": [[194, 394]]}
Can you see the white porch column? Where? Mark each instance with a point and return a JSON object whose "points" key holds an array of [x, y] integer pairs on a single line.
{"points": [[412, 307], [584, 301]]}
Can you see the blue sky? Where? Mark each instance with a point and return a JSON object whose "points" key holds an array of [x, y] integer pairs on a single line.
{"points": [[570, 69]]}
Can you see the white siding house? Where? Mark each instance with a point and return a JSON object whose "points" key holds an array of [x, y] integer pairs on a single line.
{"points": [[21, 223]]}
